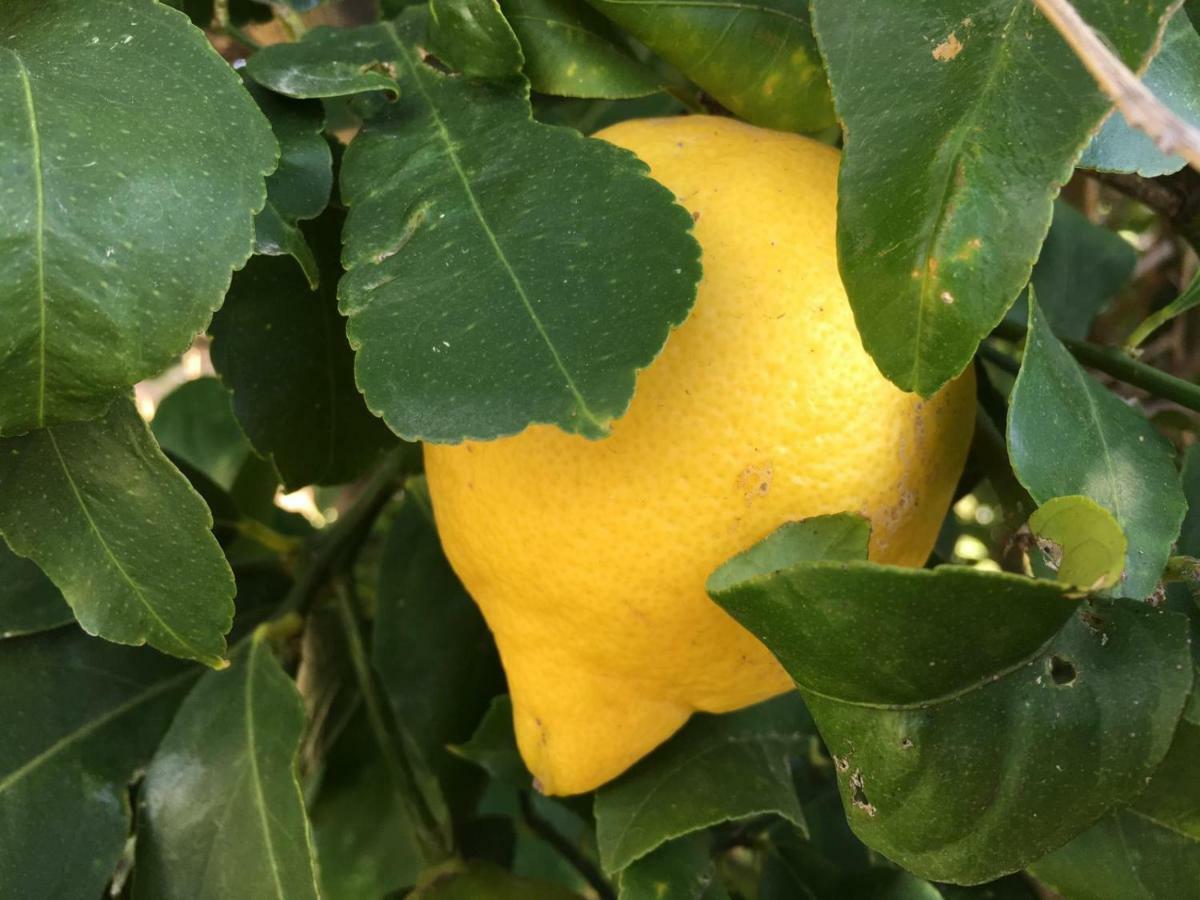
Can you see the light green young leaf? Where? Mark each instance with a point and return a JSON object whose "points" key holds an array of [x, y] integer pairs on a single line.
{"points": [[473, 37], [759, 60], [953, 159], [716, 769], [122, 226], [1083, 541], [990, 685], [573, 51], [29, 601], [1173, 76], [221, 810], [1189, 298], [1069, 435], [120, 532], [282, 348], [90, 714]]}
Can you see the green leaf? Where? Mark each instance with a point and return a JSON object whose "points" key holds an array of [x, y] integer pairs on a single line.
{"points": [[283, 350], [484, 881], [1069, 435], [221, 810], [1173, 76], [716, 769], [1083, 541], [758, 60], [195, 422], [300, 187], [546, 329], [573, 51], [432, 649], [678, 870], [120, 532], [29, 601], [493, 746], [123, 227], [1082, 266], [953, 159], [325, 64], [1126, 856], [843, 536], [987, 687], [473, 37], [589, 116], [90, 714]]}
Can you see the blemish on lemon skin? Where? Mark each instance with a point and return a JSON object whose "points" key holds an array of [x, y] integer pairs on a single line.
{"points": [[754, 481], [769, 85], [947, 297], [948, 49]]}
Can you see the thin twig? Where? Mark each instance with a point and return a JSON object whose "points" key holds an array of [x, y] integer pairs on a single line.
{"points": [[585, 867], [1113, 362], [1142, 110]]}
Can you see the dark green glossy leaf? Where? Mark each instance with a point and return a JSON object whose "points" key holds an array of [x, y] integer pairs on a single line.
{"points": [[326, 64], [758, 60], [545, 329], [473, 37], [1082, 540], [944, 198], [1081, 268], [120, 532], [122, 227], [82, 717], [1126, 856], [573, 51], [716, 769], [1069, 435], [589, 116], [29, 601], [1043, 729], [484, 881], [283, 350], [299, 188], [678, 870], [432, 649], [493, 746], [1174, 78], [195, 423], [221, 810]]}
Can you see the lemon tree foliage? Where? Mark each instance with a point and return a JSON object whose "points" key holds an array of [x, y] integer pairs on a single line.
{"points": [[221, 812], [124, 227], [927, 281], [510, 505]]}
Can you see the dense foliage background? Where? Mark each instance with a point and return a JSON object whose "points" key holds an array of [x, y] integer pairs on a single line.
{"points": [[424, 247]]}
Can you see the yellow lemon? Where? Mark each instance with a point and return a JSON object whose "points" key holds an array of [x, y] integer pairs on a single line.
{"points": [[589, 558]]}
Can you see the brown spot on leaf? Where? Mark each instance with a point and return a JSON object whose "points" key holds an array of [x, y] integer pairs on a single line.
{"points": [[948, 49]]}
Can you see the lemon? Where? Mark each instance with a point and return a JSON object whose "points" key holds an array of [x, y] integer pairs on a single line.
{"points": [[589, 558]]}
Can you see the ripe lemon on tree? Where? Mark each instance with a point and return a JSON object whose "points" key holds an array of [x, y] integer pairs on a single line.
{"points": [[589, 558]]}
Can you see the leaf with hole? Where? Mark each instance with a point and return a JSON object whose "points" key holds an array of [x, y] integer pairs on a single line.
{"points": [[123, 227], [944, 198], [120, 532], [1081, 540], [758, 60], [1007, 683], [1069, 435], [91, 714], [221, 812]]}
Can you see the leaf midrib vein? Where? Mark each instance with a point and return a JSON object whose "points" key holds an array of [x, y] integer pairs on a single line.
{"points": [[256, 775], [91, 727], [94, 528], [518, 286], [39, 231]]}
